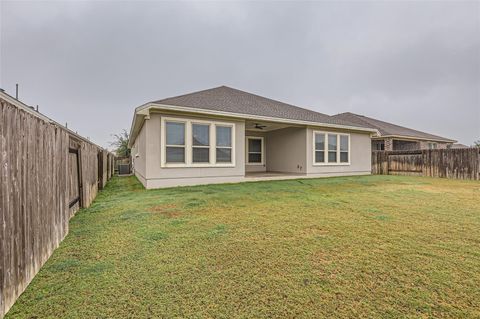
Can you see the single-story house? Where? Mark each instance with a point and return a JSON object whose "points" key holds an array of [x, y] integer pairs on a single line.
{"points": [[226, 135], [392, 137]]}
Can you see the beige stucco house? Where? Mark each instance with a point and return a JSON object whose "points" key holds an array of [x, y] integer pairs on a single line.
{"points": [[226, 135]]}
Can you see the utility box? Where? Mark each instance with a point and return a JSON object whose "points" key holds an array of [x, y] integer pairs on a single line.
{"points": [[123, 169]]}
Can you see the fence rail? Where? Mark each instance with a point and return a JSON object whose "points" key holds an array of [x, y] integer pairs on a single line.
{"points": [[445, 163], [47, 173]]}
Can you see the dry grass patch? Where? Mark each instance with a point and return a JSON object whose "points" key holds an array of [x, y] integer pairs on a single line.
{"points": [[167, 210]]}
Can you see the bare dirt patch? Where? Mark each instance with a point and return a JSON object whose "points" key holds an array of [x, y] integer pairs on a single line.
{"points": [[168, 210]]}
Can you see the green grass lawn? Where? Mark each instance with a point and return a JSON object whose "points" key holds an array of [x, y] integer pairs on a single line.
{"points": [[372, 246]]}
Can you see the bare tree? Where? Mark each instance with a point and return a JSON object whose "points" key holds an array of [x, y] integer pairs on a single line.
{"points": [[120, 144]]}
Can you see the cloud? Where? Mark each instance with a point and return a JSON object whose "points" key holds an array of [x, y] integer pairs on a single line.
{"points": [[412, 63]]}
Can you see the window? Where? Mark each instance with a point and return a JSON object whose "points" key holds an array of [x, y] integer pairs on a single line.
{"points": [[197, 143], [223, 144], [331, 148], [432, 146], [378, 145], [255, 150], [319, 148], [344, 149], [200, 143], [175, 142]]}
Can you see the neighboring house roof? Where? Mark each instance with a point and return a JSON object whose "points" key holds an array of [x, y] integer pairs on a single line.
{"points": [[226, 99], [388, 129]]}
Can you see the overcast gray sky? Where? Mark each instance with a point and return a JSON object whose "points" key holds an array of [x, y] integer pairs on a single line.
{"points": [[90, 64]]}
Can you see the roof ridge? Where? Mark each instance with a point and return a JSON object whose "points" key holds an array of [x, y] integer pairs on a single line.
{"points": [[182, 95], [361, 118], [241, 91], [263, 97]]}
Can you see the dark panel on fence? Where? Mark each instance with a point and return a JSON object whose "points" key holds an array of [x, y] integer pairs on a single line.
{"points": [[44, 168], [446, 163], [74, 188], [102, 169]]}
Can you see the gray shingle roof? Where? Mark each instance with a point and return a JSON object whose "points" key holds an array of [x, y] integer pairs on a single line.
{"points": [[231, 100], [386, 128]]}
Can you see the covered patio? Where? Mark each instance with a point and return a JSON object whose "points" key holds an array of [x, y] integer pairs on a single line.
{"points": [[274, 150]]}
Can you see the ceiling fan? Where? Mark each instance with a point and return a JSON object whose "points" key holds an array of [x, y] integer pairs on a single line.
{"points": [[259, 126]]}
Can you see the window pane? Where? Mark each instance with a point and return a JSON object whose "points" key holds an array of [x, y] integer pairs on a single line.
{"points": [[320, 141], [175, 155], [332, 142], [255, 145], [254, 158], [201, 134], [332, 157], [175, 133], [344, 157], [319, 156], [224, 155], [200, 155], [344, 143], [224, 136]]}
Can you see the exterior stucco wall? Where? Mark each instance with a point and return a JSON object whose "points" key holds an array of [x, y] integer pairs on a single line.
{"points": [[158, 176], [139, 153], [286, 150], [255, 167], [360, 157]]}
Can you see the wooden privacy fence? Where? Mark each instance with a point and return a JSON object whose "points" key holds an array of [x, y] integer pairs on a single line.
{"points": [[446, 163], [47, 173]]}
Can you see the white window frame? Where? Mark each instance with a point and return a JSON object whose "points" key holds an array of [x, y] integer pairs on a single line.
{"points": [[232, 144], [325, 162], [247, 151], [200, 146], [189, 143], [165, 145]]}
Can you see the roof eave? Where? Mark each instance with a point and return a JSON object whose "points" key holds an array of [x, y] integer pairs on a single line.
{"points": [[139, 116]]}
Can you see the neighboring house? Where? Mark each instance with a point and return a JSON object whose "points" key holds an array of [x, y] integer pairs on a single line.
{"points": [[391, 137], [458, 145], [226, 135]]}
